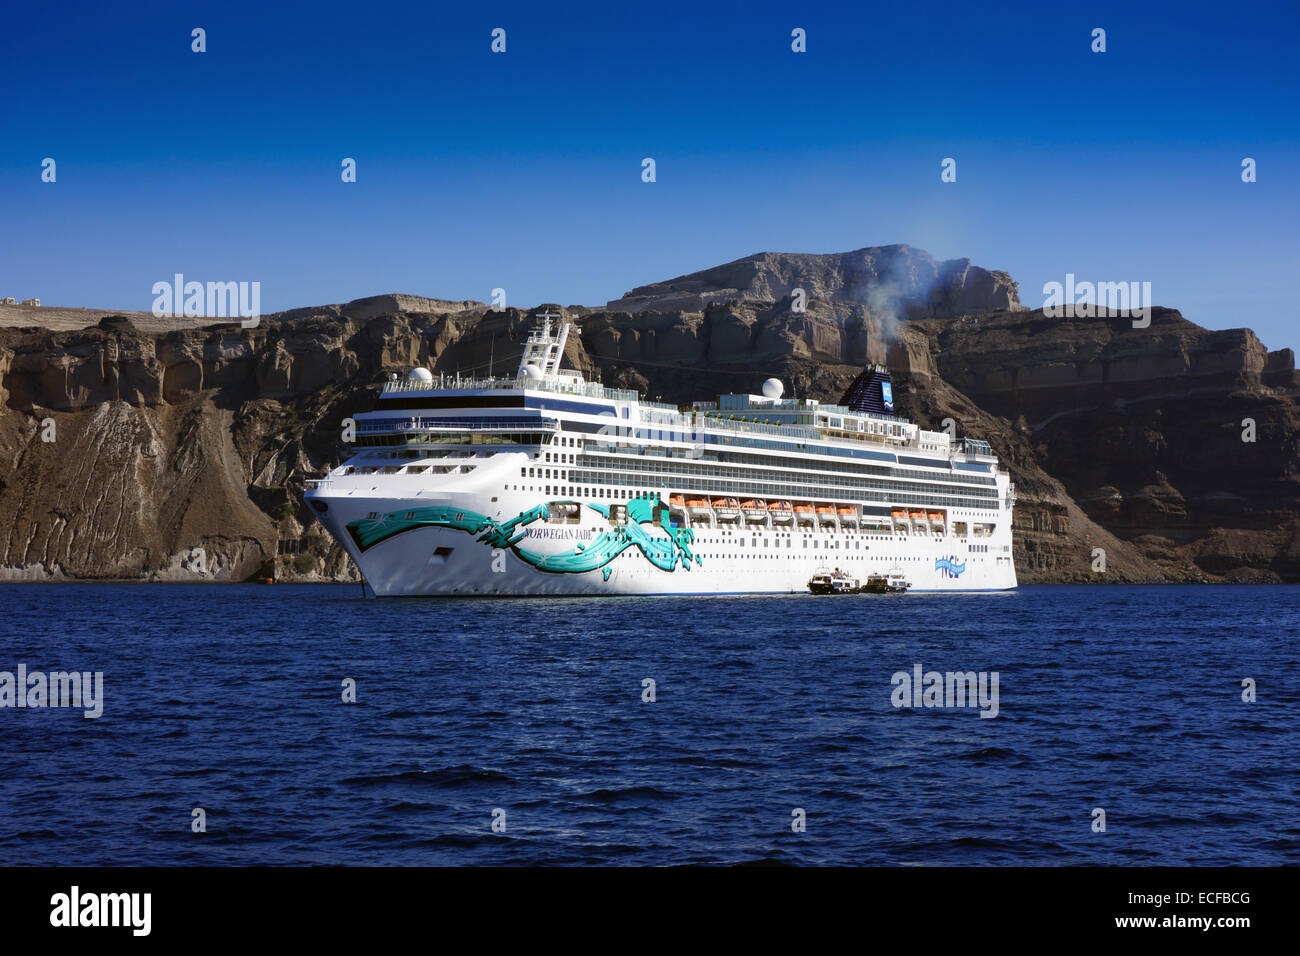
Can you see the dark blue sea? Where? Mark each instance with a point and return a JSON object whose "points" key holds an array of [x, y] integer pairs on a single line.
{"points": [[229, 699]]}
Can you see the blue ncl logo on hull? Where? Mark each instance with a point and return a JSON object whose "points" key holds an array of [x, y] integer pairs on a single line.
{"points": [[949, 567]]}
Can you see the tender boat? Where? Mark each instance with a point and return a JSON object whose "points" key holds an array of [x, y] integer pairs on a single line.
{"points": [[892, 583], [700, 512], [825, 581], [781, 512], [727, 509], [563, 512], [677, 510]]}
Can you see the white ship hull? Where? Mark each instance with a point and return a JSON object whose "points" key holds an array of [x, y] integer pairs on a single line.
{"points": [[420, 559]]}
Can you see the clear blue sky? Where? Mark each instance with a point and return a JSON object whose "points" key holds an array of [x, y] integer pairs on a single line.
{"points": [[523, 170]]}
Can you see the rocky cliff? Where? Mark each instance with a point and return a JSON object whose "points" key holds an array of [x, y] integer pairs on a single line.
{"points": [[132, 453], [894, 281]]}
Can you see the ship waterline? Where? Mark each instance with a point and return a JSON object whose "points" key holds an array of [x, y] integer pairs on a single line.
{"points": [[547, 484]]}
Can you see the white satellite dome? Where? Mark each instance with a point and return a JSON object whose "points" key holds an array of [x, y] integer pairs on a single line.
{"points": [[532, 372], [419, 375], [773, 388]]}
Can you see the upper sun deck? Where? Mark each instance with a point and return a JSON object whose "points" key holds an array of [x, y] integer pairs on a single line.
{"points": [[805, 411], [752, 419], [566, 386]]}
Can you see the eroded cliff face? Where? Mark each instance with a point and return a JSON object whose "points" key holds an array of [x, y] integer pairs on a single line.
{"points": [[1183, 441], [183, 453], [118, 490]]}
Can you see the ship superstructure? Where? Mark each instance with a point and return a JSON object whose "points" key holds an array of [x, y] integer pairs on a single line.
{"points": [[548, 484]]}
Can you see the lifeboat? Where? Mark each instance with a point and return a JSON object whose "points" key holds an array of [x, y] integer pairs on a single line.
{"points": [[697, 507], [727, 509], [848, 515], [936, 520], [826, 514], [755, 510], [898, 514], [780, 511], [676, 501], [804, 513]]}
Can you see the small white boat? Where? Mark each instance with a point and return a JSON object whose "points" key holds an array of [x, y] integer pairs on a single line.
{"points": [[892, 583], [825, 581]]}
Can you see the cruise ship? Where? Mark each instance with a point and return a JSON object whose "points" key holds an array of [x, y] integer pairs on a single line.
{"points": [[545, 483]]}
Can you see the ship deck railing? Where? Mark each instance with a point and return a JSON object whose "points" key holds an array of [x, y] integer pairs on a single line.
{"points": [[399, 424], [801, 407], [757, 428], [585, 389]]}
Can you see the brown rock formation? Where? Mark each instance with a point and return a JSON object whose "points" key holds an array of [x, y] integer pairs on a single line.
{"points": [[895, 279], [1150, 430]]}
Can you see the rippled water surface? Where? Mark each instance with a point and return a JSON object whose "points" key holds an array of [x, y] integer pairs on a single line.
{"points": [[228, 698]]}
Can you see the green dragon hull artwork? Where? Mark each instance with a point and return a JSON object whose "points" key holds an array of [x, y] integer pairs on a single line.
{"points": [[664, 553]]}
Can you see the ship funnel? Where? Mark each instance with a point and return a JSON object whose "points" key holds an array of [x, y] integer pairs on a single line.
{"points": [[872, 391]]}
